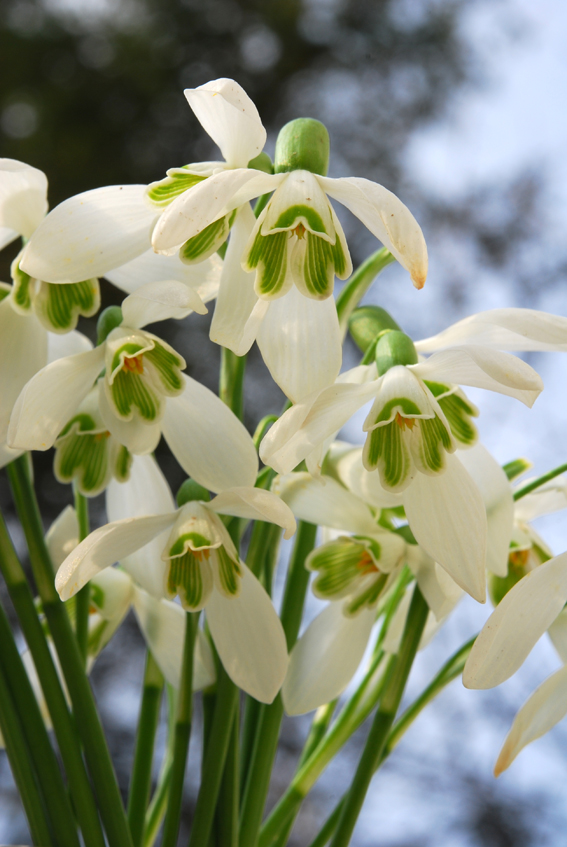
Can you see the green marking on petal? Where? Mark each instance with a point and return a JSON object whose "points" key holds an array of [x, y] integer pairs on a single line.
{"points": [[22, 290], [127, 351], [269, 255], [193, 540], [386, 450], [83, 457], [406, 407], [58, 306], [168, 367], [129, 389], [229, 573], [5, 290], [300, 214], [341, 564], [207, 242], [368, 597], [164, 191], [458, 413], [433, 442], [187, 576], [82, 422], [122, 464], [318, 267]]}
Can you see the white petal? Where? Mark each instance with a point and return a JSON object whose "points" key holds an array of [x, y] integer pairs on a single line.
{"points": [[496, 493], [503, 329], [50, 399], [140, 438], [114, 595], [558, 634], [238, 311], [8, 455], [146, 492], [68, 344], [548, 498], [203, 278], [439, 589], [7, 235], [106, 545], [89, 234], [325, 502], [23, 352], [387, 218], [483, 368], [208, 440], [229, 116], [205, 203], [346, 462], [23, 196], [300, 342], [163, 626], [62, 536], [518, 621], [447, 516], [256, 504], [325, 658], [158, 301], [249, 638], [303, 427], [544, 709]]}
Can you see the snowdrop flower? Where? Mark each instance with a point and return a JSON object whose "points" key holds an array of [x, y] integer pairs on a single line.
{"points": [[354, 572], [142, 376], [195, 559], [535, 604]]}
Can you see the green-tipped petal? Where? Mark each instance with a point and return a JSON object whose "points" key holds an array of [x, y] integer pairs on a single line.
{"points": [[58, 306], [162, 192], [207, 242]]}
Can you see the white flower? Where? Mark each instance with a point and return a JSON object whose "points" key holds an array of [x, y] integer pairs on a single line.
{"points": [[191, 554]]}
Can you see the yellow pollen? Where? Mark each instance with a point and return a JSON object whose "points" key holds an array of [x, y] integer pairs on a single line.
{"points": [[100, 435], [204, 553], [519, 558], [366, 563], [403, 422], [299, 230], [134, 364]]}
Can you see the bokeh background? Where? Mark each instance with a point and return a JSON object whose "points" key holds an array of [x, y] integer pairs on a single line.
{"points": [[458, 106]]}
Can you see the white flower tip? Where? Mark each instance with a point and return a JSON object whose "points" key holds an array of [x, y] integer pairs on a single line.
{"points": [[418, 278], [503, 762]]}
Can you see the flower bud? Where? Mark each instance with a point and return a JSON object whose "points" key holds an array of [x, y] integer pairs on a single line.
{"points": [[191, 490], [109, 319], [366, 322], [302, 145], [394, 348]]}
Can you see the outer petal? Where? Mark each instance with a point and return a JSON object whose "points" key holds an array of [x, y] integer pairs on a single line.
{"points": [[557, 632], [106, 545], [303, 427], [545, 708], [483, 368], [549, 498], [208, 440], [146, 492], [163, 626], [440, 591], [208, 201], [300, 342], [249, 638], [518, 621], [7, 235], [23, 352], [8, 455], [229, 116], [496, 492], [59, 346], [88, 235], [158, 301], [238, 311], [256, 504], [203, 278], [447, 516], [49, 400], [326, 503], [346, 462], [387, 218], [23, 197], [503, 329], [325, 658], [62, 536]]}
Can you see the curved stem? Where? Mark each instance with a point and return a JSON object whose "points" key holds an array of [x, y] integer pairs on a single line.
{"points": [[541, 480], [359, 283], [82, 596]]}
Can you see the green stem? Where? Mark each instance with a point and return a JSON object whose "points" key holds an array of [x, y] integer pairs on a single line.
{"points": [[231, 381], [140, 782], [20, 763], [182, 734], [84, 707], [213, 765], [262, 428], [63, 723], [450, 671], [226, 819], [270, 717], [83, 596], [383, 720], [58, 807], [541, 480], [359, 283], [158, 806]]}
